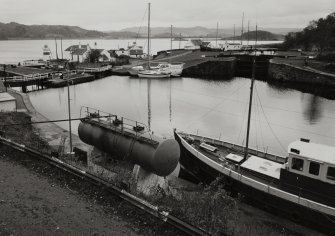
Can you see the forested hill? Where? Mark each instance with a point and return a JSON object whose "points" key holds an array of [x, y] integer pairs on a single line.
{"points": [[261, 36], [318, 35], [19, 31]]}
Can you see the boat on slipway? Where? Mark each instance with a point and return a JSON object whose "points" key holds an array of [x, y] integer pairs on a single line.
{"points": [[299, 186], [133, 71], [153, 74], [162, 70], [173, 68]]}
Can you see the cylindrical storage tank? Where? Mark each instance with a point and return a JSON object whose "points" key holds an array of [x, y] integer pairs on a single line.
{"points": [[160, 159]]}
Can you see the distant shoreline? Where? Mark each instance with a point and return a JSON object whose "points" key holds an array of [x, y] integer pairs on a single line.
{"points": [[107, 38]]}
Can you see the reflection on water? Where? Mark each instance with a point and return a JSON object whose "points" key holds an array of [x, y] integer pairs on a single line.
{"points": [[313, 108], [216, 109], [149, 104]]}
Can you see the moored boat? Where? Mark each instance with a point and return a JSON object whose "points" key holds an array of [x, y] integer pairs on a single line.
{"points": [[300, 186], [153, 74], [133, 71], [173, 68]]}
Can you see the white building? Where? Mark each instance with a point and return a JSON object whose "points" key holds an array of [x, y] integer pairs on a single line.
{"points": [[135, 51], [77, 52], [7, 102]]}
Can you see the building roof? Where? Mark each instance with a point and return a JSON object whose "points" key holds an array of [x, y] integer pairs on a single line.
{"points": [[79, 51], [6, 97], [314, 151], [75, 47]]}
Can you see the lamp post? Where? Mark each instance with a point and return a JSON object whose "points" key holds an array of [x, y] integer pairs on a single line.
{"points": [[69, 106], [4, 71]]}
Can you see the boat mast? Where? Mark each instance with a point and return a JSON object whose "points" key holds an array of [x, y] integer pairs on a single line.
{"points": [[61, 46], [242, 29], [250, 99], [248, 31], [217, 32], [149, 35], [56, 48], [171, 39]]}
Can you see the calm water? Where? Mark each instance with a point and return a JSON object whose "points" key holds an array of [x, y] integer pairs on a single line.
{"points": [[213, 108]]}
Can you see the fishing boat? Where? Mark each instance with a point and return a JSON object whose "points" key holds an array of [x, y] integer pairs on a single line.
{"points": [[299, 186]]}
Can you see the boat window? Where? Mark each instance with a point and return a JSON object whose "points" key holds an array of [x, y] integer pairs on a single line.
{"points": [[314, 168], [331, 173], [297, 164]]}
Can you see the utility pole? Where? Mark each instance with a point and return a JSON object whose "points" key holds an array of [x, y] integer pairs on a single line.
{"points": [[179, 39], [69, 106], [234, 34]]}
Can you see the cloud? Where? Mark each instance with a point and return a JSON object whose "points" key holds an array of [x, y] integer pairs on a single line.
{"points": [[118, 14]]}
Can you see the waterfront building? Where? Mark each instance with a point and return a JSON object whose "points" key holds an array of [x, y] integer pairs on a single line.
{"points": [[77, 52]]}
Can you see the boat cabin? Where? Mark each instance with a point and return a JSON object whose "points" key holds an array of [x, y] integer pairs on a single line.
{"points": [[310, 171], [313, 160]]}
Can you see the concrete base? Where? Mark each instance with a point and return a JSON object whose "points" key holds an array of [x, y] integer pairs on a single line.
{"points": [[146, 182], [152, 185], [95, 156]]}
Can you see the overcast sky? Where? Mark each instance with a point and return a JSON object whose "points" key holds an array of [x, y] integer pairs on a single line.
{"points": [[119, 14]]}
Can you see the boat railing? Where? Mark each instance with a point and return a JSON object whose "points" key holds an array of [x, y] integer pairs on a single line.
{"points": [[25, 78], [94, 69], [239, 148], [116, 123], [301, 192]]}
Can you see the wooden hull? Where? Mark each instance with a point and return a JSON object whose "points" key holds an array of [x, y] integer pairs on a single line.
{"points": [[274, 203]]}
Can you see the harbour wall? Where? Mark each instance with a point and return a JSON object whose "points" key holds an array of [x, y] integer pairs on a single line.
{"points": [[284, 72], [212, 68]]}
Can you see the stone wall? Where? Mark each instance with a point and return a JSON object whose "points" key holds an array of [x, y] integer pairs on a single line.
{"points": [[212, 68], [283, 72]]}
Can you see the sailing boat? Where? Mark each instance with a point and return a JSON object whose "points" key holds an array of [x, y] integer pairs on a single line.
{"points": [[300, 186], [152, 73]]}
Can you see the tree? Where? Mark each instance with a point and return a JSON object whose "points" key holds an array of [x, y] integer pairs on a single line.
{"points": [[318, 34], [93, 56]]}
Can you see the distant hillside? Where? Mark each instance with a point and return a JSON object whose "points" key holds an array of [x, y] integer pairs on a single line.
{"points": [[199, 31], [19, 31], [121, 35], [261, 36]]}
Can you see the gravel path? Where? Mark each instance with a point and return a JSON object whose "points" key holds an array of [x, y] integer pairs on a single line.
{"points": [[31, 205]]}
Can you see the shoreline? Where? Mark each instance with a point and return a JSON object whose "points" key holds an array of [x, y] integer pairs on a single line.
{"points": [[49, 132]]}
